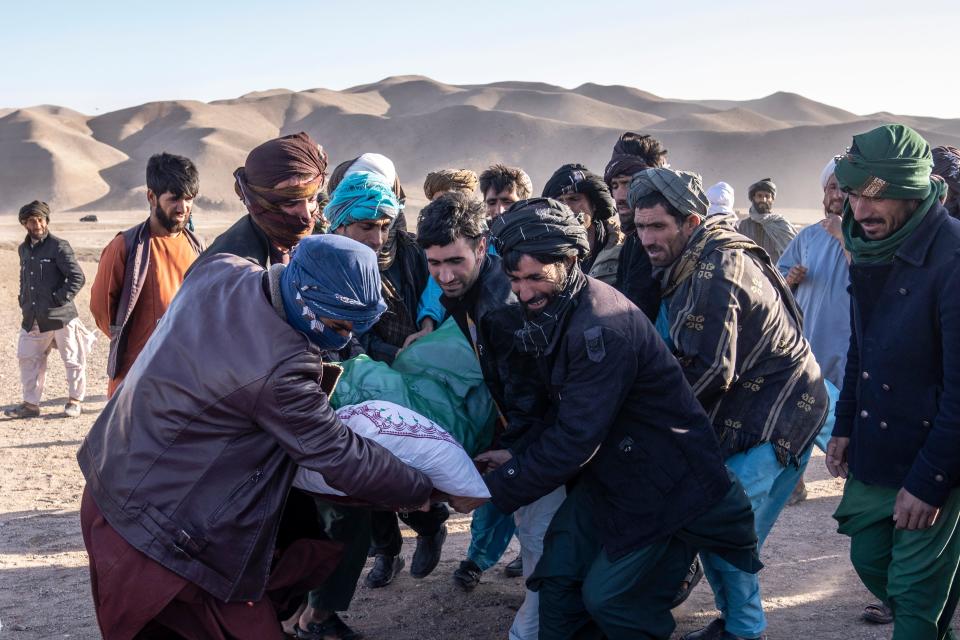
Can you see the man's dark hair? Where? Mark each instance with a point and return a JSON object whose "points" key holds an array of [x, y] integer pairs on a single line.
{"points": [[646, 147], [651, 200], [453, 215], [176, 174], [501, 177]]}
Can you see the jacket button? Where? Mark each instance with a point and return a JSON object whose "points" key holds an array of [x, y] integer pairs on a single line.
{"points": [[925, 423], [883, 425], [864, 414], [902, 291], [938, 477], [885, 387], [866, 375], [511, 472]]}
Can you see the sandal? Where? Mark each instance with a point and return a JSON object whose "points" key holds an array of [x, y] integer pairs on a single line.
{"points": [[878, 614], [332, 627], [691, 580]]}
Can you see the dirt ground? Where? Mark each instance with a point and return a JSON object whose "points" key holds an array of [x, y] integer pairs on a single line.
{"points": [[809, 587]]}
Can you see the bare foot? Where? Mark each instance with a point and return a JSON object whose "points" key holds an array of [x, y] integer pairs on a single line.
{"points": [[289, 625]]}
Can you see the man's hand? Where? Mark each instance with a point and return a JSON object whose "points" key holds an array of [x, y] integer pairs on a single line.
{"points": [[832, 225], [837, 457], [910, 512], [466, 505], [425, 329], [490, 460], [796, 275]]}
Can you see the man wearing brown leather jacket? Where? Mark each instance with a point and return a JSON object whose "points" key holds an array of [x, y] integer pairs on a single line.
{"points": [[189, 465]]}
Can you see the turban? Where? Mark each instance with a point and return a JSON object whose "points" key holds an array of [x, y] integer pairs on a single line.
{"points": [[361, 196], [682, 189], [766, 184], [576, 178], [449, 180], [271, 163], [625, 161], [540, 227], [892, 161], [946, 164], [720, 197], [34, 209], [827, 172], [331, 277]]}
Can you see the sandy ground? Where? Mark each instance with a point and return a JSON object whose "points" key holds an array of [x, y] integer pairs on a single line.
{"points": [[809, 587]]}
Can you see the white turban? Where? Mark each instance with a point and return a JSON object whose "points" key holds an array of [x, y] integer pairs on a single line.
{"points": [[720, 197], [827, 172], [374, 163]]}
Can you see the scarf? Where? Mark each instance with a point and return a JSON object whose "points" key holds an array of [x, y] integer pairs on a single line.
{"points": [[864, 251], [538, 335], [682, 189], [712, 234], [361, 196], [779, 232], [540, 227]]}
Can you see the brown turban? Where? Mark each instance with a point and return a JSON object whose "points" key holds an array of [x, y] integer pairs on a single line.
{"points": [[273, 162], [34, 209], [444, 180]]}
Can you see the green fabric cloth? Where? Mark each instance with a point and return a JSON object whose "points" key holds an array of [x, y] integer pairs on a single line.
{"points": [[864, 251], [892, 161], [437, 376], [682, 189], [914, 572]]}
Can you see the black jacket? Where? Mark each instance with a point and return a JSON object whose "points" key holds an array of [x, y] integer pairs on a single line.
{"points": [[50, 279], [242, 239], [192, 459], [900, 400], [635, 277], [623, 419], [511, 377]]}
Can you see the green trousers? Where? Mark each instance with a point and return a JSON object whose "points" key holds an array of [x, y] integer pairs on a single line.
{"points": [[351, 526], [585, 595], [914, 572]]}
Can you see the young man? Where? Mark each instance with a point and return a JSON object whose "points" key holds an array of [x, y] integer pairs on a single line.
{"points": [[623, 430], [734, 327], [452, 231], [588, 196], [899, 410], [501, 186], [770, 230], [142, 268], [632, 153], [50, 279], [188, 468]]}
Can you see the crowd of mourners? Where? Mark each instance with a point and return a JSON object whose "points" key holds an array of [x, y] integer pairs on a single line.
{"points": [[661, 369]]}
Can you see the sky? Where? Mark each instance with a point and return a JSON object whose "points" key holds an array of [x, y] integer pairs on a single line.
{"points": [[862, 56]]}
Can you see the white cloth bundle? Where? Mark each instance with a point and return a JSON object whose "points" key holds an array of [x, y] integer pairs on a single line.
{"points": [[414, 439]]}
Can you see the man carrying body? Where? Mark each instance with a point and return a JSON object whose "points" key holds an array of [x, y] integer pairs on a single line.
{"points": [[770, 230], [751, 370], [476, 292], [895, 437], [632, 153], [142, 268], [623, 430], [588, 196], [50, 279], [188, 468]]}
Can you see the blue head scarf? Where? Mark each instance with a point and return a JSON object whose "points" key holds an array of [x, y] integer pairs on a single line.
{"points": [[361, 196], [331, 277]]}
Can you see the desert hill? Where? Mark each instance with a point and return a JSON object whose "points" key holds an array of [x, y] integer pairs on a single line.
{"points": [[80, 162]]}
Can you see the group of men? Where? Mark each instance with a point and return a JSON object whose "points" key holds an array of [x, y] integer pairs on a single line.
{"points": [[660, 368]]}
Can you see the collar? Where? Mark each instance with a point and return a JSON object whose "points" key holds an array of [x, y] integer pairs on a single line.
{"points": [[915, 248]]}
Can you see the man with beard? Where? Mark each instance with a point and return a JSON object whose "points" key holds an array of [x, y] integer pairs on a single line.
{"points": [[50, 279], [279, 184], [452, 230], [733, 325], [632, 153], [588, 196], [946, 164], [895, 438], [623, 430], [143, 267], [769, 230]]}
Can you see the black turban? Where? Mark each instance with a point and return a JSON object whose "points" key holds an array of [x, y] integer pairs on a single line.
{"points": [[540, 227], [762, 185], [35, 208], [576, 178]]}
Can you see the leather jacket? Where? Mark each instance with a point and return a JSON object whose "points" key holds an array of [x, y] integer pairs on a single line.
{"points": [[192, 459]]}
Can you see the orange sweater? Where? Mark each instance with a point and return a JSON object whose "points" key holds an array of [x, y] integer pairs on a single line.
{"points": [[170, 257]]}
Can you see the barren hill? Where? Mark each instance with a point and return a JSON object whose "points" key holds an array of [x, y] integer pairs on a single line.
{"points": [[80, 162]]}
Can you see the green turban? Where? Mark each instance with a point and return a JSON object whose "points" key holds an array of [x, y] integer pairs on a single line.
{"points": [[892, 161], [682, 189]]}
